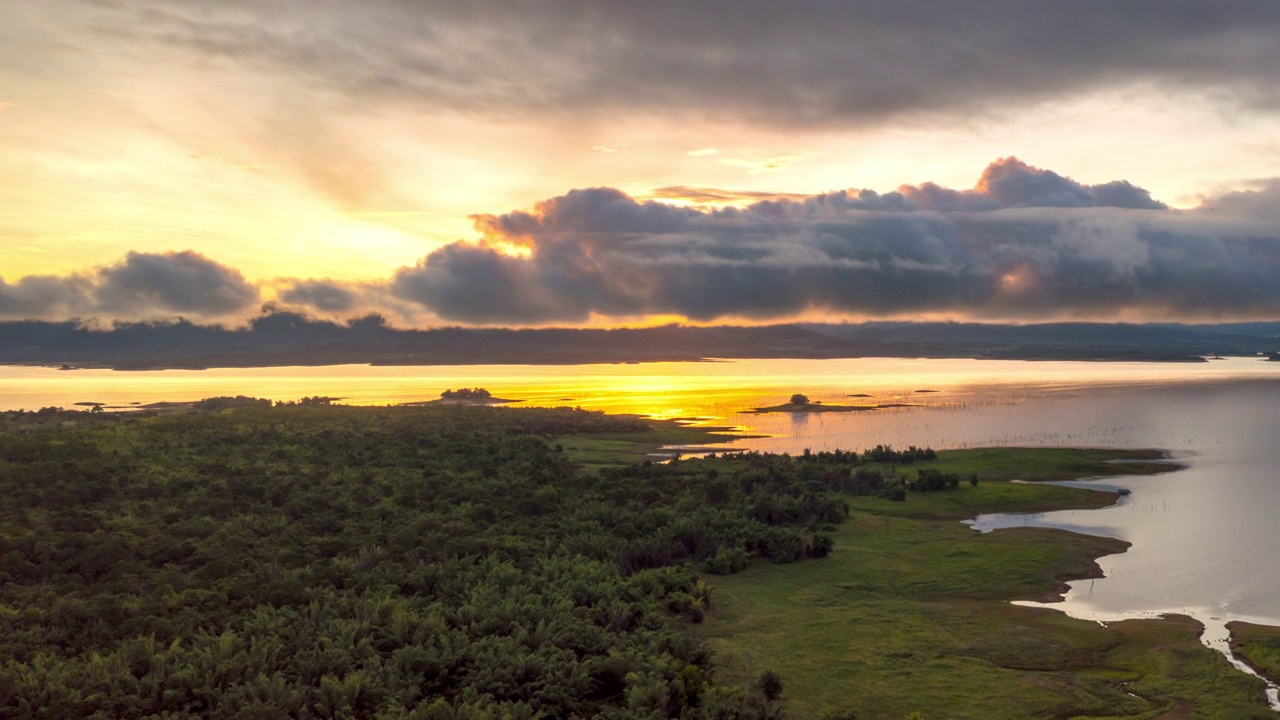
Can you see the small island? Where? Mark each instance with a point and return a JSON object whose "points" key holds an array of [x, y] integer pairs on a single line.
{"points": [[800, 403], [464, 396]]}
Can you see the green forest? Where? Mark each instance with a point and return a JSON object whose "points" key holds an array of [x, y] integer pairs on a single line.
{"points": [[313, 560], [327, 561]]}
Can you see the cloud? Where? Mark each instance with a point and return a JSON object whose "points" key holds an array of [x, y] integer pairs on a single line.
{"points": [[337, 300], [809, 62], [1262, 202], [1009, 183], [175, 282], [143, 286], [327, 296], [1013, 183], [44, 297], [1023, 244]]}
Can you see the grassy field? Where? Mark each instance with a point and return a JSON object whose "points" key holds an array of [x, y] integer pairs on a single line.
{"points": [[1258, 645], [1039, 464], [910, 613], [994, 467]]}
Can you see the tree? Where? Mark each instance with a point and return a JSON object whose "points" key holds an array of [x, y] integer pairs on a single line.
{"points": [[799, 399], [771, 685], [466, 394]]}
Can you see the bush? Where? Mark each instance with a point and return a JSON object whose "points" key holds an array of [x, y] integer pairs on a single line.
{"points": [[895, 492], [727, 561], [931, 480], [770, 683], [820, 546]]}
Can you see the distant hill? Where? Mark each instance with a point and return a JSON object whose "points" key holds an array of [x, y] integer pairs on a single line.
{"points": [[289, 339], [1083, 341]]}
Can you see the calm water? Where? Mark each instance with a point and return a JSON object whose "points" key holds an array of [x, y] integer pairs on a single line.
{"points": [[715, 390], [1205, 539]]}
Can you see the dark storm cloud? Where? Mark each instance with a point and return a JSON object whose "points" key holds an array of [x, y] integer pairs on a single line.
{"points": [[809, 62], [177, 282], [142, 286], [1025, 243], [1013, 183]]}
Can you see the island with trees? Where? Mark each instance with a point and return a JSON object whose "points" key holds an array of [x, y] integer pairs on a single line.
{"points": [[800, 403], [464, 396]]}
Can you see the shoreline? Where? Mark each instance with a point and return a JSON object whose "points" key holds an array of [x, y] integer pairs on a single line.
{"points": [[1226, 643], [908, 590]]}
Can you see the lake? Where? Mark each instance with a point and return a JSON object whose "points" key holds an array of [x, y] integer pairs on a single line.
{"points": [[1204, 539]]}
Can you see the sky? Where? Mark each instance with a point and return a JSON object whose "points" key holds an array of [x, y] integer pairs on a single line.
{"points": [[604, 163]]}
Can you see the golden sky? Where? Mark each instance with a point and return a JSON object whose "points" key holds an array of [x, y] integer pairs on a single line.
{"points": [[285, 142]]}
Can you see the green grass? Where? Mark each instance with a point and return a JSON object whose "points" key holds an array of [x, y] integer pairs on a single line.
{"points": [[1039, 464], [995, 466], [1258, 645], [911, 613]]}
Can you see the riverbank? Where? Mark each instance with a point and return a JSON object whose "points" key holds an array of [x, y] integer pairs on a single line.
{"points": [[1258, 646], [911, 611]]}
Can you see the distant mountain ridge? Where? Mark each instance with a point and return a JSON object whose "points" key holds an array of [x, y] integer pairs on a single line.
{"points": [[289, 339]]}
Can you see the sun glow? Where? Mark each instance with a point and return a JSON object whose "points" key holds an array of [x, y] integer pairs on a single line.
{"points": [[510, 249], [1017, 280]]}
